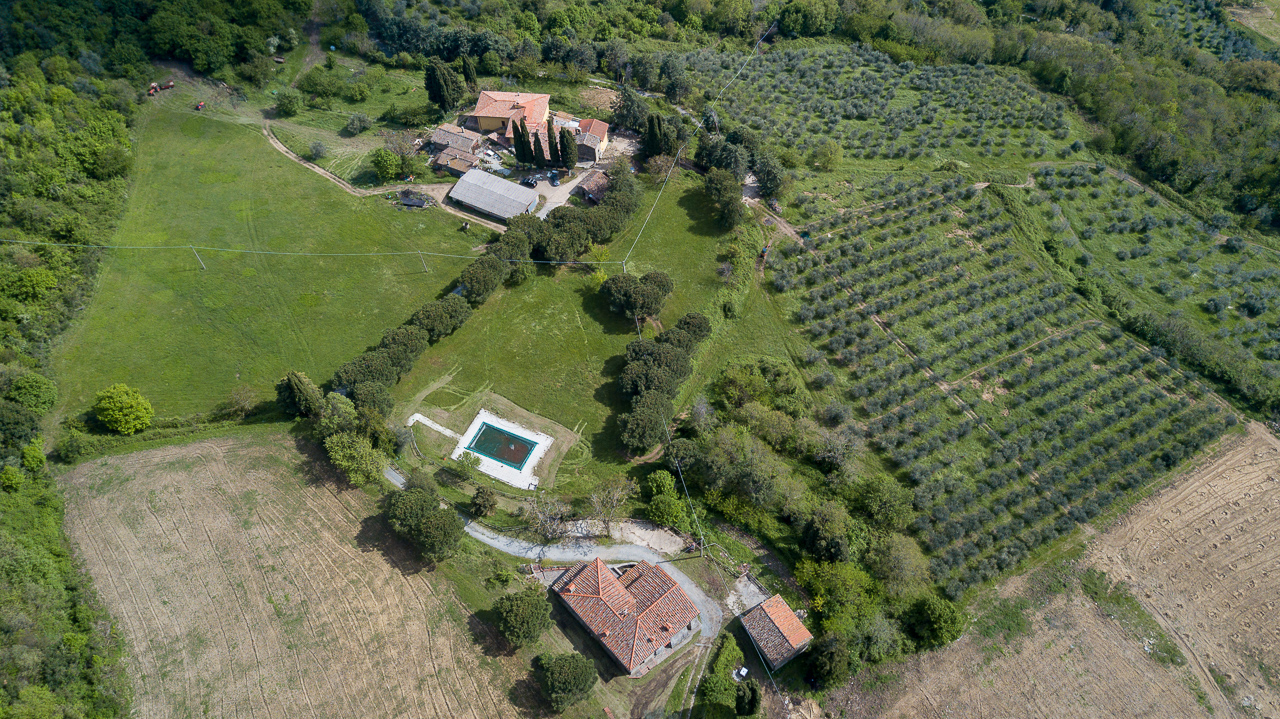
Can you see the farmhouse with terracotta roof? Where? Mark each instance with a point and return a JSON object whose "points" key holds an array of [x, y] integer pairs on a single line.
{"points": [[776, 631], [639, 616], [592, 136], [501, 111]]}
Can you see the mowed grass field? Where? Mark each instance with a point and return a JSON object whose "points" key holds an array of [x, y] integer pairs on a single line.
{"points": [[554, 347], [185, 336]]}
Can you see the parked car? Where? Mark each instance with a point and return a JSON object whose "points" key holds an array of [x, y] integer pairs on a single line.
{"points": [[529, 181]]}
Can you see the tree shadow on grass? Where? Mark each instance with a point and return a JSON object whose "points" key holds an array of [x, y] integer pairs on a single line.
{"points": [[376, 536], [605, 442], [313, 463], [697, 207], [597, 308], [526, 696], [483, 627]]}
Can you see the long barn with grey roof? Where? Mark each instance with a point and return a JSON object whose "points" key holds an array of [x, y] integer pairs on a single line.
{"points": [[493, 195]]}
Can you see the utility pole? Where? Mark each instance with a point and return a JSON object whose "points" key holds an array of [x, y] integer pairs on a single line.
{"points": [[197, 254]]}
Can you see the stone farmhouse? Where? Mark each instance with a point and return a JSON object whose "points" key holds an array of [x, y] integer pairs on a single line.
{"points": [[639, 616]]}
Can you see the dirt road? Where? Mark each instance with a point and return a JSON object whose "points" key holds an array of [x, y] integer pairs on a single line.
{"points": [[439, 190]]}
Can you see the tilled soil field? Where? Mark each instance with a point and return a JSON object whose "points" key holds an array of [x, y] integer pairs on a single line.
{"points": [[1202, 557], [1077, 663], [249, 585]]}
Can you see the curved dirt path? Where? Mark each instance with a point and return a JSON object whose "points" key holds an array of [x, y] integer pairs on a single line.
{"points": [[437, 190], [582, 550]]}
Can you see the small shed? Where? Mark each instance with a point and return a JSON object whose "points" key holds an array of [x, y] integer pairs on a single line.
{"points": [[776, 631], [493, 195], [593, 186]]}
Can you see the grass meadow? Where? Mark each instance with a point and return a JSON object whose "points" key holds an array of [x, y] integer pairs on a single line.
{"points": [[185, 336], [554, 347]]}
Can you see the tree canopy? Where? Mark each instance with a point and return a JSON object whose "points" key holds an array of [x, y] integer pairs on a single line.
{"points": [[416, 515], [565, 679], [524, 615]]}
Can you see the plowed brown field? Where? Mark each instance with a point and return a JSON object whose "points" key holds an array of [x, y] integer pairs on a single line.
{"points": [[249, 585], [1202, 558]]}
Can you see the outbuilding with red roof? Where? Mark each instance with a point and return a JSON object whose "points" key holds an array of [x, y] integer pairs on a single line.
{"points": [[776, 631]]}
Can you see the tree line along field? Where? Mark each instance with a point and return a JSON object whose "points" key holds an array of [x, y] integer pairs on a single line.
{"points": [[186, 337]]}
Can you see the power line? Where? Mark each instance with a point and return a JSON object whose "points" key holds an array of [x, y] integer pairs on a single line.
{"points": [[698, 124], [233, 250]]}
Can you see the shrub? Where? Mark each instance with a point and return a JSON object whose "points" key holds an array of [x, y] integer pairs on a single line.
{"points": [[318, 151], [484, 502], [523, 616], [935, 621], [288, 102], [358, 123], [565, 679], [669, 510], [123, 409], [33, 391], [355, 456], [11, 479]]}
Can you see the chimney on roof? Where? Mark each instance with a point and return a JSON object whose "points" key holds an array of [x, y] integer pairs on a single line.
{"points": [[570, 587], [666, 626], [605, 633]]}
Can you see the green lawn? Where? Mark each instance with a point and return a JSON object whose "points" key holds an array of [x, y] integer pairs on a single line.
{"points": [[185, 336], [554, 348]]}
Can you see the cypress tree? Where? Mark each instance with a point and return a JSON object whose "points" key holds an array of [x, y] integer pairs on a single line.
{"points": [[553, 152], [539, 157], [529, 142], [568, 148], [469, 72], [519, 145]]}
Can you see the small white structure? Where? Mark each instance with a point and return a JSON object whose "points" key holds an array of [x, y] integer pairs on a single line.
{"points": [[518, 449]]}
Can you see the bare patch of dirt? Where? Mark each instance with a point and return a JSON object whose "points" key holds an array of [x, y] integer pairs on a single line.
{"points": [[598, 98], [248, 583]]}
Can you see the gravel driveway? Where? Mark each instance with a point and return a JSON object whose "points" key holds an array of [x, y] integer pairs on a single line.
{"points": [[584, 550], [557, 196]]}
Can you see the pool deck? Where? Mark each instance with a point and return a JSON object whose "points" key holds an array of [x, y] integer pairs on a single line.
{"points": [[522, 478]]}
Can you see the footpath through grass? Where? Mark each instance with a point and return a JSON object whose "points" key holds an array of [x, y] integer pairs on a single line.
{"points": [[185, 336]]}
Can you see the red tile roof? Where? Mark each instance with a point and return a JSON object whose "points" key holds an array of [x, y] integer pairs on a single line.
{"points": [[599, 128], [776, 630], [634, 615], [513, 106]]}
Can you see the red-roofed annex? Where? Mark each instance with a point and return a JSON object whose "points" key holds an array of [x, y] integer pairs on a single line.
{"points": [[776, 631]]}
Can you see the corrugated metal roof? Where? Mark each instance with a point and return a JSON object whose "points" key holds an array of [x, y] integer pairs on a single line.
{"points": [[493, 195]]}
